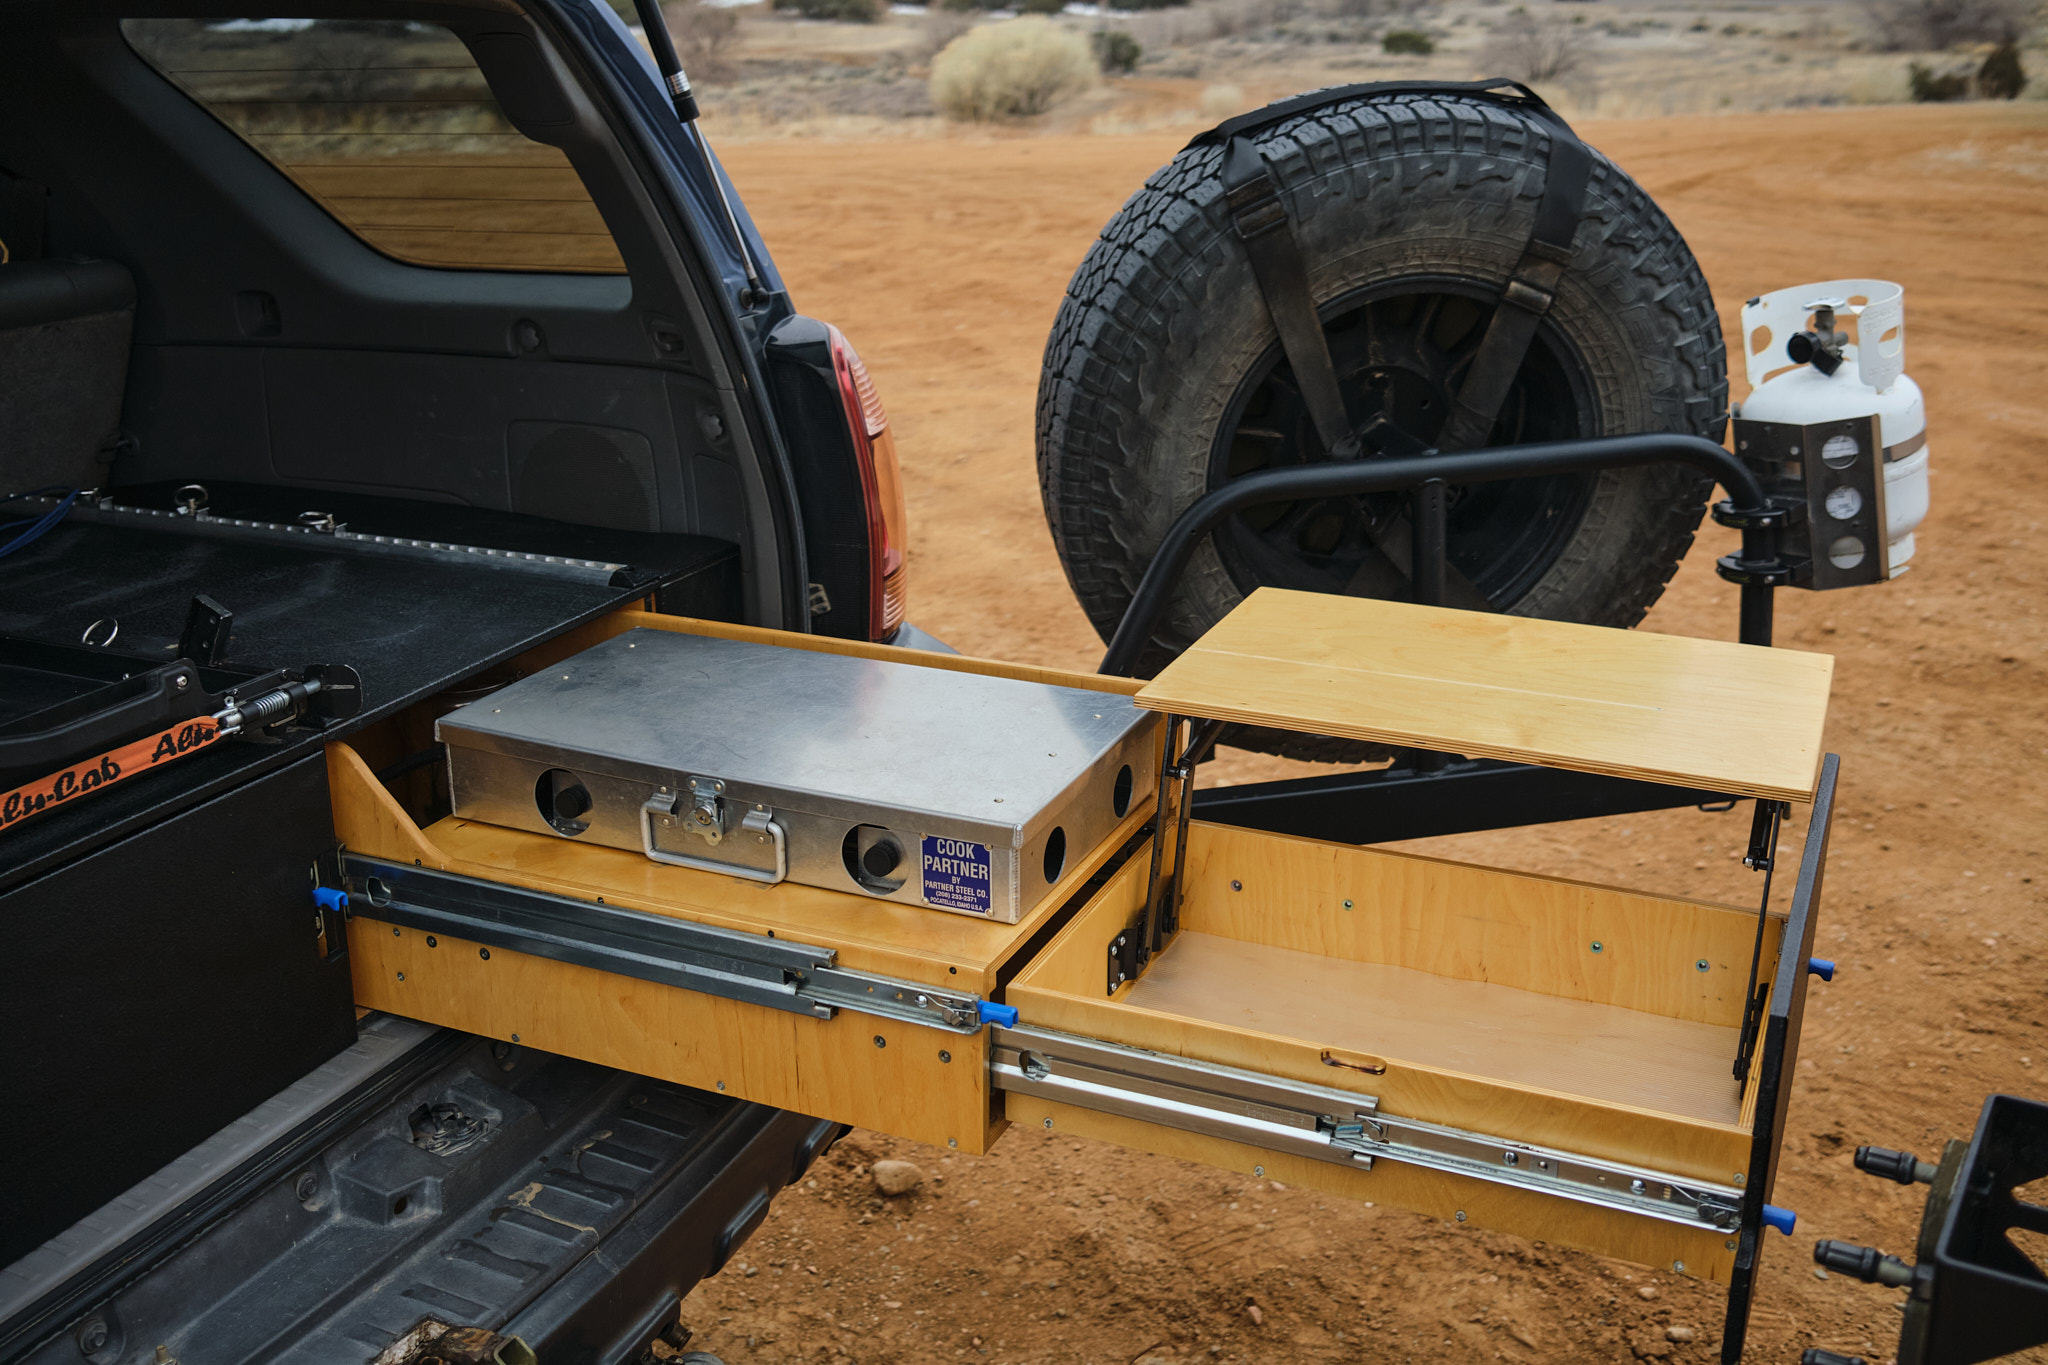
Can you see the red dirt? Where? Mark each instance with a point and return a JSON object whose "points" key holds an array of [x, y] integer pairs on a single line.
{"points": [[944, 260]]}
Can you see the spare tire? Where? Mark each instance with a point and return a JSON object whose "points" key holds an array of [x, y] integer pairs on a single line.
{"points": [[1164, 376]]}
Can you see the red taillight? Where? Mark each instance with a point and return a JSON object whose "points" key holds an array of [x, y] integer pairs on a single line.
{"points": [[882, 488]]}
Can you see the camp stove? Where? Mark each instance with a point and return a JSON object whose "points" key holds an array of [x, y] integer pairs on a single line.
{"points": [[923, 786]]}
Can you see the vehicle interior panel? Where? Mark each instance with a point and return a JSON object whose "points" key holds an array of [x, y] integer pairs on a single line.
{"points": [[272, 344]]}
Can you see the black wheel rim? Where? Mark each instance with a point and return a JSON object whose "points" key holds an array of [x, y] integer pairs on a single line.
{"points": [[1401, 350]]}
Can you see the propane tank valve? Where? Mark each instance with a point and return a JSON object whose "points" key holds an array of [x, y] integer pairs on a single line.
{"points": [[1822, 346]]}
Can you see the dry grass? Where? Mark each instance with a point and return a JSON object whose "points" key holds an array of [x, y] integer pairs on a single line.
{"points": [[1011, 70]]}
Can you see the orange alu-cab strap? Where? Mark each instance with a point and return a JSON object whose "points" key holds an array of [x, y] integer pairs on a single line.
{"points": [[84, 778]]}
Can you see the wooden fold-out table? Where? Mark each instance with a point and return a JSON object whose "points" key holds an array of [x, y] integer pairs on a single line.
{"points": [[1545, 1056]]}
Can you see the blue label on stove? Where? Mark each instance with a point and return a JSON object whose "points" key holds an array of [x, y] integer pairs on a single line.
{"points": [[956, 874]]}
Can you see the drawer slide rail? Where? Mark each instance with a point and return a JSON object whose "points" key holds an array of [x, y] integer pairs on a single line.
{"points": [[754, 968], [1325, 1124]]}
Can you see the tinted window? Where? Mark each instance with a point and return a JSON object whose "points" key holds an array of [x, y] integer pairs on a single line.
{"points": [[390, 126]]}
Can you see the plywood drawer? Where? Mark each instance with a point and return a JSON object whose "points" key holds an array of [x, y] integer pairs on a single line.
{"points": [[828, 1004], [1542, 1056]]}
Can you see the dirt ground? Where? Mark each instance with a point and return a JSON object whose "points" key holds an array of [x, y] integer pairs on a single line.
{"points": [[944, 261]]}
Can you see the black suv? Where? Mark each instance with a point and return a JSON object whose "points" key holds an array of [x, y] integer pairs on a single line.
{"points": [[346, 355]]}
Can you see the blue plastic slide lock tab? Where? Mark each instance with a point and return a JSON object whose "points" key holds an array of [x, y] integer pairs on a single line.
{"points": [[1784, 1220], [992, 1013], [1821, 967], [331, 898]]}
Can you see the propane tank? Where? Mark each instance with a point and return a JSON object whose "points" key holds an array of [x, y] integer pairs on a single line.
{"points": [[1828, 360]]}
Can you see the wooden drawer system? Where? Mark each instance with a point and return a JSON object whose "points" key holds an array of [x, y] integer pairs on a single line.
{"points": [[1577, 1063]]}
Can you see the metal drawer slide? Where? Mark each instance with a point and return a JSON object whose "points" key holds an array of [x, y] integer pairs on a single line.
{"points": [[1338, 1126], [675, 952]]}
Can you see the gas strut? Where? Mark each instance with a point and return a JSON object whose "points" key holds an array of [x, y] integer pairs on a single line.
{"points": [[671, 67]]}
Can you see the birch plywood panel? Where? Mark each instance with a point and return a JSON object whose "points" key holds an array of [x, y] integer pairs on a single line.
{"points": [[921, 1083], [1064, 989], [1699, 713], [1522, 1037], [1473, 923]]}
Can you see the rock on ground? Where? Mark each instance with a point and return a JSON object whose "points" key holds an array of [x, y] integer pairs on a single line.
{"points": [[896, 1177]]}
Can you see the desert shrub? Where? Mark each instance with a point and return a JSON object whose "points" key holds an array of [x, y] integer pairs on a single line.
{"points": [[1536, 51], [1116, 51], [1407, 42], [1010, 70], [1931, 87], [704, 37], [1937, 25], [2002, 77], [854, 11]]}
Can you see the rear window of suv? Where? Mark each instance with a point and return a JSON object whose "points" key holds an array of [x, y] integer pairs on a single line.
{"points": [[391, 128]]}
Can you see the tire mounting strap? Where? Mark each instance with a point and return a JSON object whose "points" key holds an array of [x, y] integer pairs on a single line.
{"points": [[1281, 272], [1268, 235]]}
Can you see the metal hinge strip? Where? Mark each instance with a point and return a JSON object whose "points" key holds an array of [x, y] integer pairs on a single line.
{"points": [[728, 963], [1326, 1124]]}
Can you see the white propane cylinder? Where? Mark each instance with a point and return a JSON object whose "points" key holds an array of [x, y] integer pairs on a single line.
{"points": [[1870, 381]]}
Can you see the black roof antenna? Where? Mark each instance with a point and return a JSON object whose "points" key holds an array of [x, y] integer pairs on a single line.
{"points": [[671, 67]]}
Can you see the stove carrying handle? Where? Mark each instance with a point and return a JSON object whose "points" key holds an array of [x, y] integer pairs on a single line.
{"points": [[758, 827]]}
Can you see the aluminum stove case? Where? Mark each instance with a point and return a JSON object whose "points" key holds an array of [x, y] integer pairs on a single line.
{"points": [[920, 785]]}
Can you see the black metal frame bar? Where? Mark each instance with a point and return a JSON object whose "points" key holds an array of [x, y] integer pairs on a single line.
{"points": [[1758, 569], [1777, 1054], [1414, 801]]}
